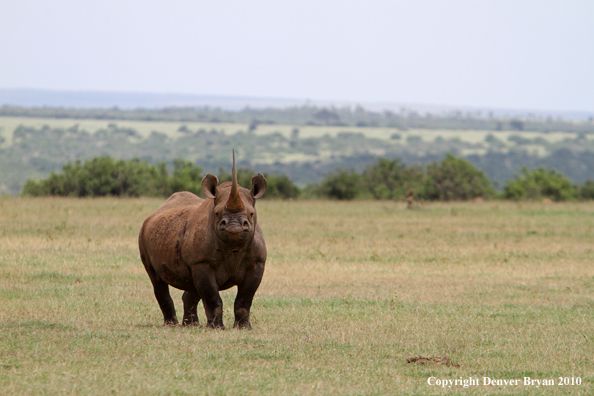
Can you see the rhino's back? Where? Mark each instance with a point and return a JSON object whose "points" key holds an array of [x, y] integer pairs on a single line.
{"points": [[179, 200], [169, 219]]}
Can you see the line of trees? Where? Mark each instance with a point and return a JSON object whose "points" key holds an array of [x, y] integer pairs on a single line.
{"points": [[452, 179], [314, 115], [105, 176]]}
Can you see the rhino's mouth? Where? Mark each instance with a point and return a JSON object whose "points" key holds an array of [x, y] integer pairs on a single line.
{"points": [[234, 233]]}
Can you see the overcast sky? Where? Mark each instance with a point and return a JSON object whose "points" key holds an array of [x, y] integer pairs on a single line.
{"points": [[505, 54]]}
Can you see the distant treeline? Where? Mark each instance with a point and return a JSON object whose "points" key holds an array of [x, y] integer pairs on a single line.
{"points": [[452, 179], [314, 115], [105, 176]]}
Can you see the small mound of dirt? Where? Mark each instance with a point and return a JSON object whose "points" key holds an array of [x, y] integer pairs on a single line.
{"points": [[439, 360]]}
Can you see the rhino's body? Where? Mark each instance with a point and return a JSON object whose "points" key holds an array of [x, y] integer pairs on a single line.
{"points": [[203, 246]]}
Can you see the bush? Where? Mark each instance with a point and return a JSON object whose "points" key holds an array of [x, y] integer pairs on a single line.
{"points": [[311, 191], [391, 179], [540, 183], [455, 179], [587, 190], [280, 187], [452, 179], [186, 177], [103, 176], [342, 184]]}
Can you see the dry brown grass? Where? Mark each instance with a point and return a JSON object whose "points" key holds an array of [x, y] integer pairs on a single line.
{"points": [[350, 291]]}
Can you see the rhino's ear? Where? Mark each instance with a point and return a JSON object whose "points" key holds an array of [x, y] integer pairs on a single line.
{"points": [[259, 186], [209, 185]]}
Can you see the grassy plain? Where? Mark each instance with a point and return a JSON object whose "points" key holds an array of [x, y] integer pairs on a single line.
{"points": [[350, 291], [144, 128]]}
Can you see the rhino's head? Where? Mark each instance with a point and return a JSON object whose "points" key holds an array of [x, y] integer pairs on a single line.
{"points": [[234, 211]]}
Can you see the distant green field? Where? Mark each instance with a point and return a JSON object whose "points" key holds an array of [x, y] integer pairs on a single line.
{"points": [[144, 128], [351, 290], [305, 153]]}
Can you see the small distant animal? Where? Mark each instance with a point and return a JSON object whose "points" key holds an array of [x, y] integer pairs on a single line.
{"points": [[478, 200], [203, 246], [547, 201], [410, 200]]}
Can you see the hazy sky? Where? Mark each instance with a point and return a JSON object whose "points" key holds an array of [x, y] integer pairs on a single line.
{"points": [[507, 54]]}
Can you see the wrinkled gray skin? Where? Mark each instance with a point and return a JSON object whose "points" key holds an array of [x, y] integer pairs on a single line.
{"points": [[203, 246]]}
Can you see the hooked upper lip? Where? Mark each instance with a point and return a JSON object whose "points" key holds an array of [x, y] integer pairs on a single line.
{"points": [[234, 230]]}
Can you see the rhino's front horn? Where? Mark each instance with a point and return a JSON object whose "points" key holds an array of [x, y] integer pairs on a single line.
{"points": [[234, 203]]}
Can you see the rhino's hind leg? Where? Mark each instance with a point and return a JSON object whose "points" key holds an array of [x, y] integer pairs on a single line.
{"points": [[165, 302], [190, 300], [163, 296]]}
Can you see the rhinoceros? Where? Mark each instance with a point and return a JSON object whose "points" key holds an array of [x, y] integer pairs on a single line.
{"points": [[203, 246]]}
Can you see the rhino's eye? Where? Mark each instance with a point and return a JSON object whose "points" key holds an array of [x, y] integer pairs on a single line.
{"points": [[218, 214], [252, 214]]}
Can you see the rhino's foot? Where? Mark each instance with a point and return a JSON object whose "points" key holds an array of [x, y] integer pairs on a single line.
{"points": [[215, 326], [171, 322], [242, 325], [191, 320]]}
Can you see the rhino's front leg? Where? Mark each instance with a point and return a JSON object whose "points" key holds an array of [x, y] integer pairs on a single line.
{"points": [[245, 295], [208, 290]]}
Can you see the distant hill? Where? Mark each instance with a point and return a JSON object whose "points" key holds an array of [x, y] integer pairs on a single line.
{"points": [[133, 100]]}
